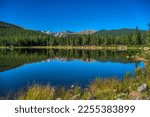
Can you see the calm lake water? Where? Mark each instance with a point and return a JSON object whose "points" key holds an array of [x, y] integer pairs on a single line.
{"points": [[23, 67]]}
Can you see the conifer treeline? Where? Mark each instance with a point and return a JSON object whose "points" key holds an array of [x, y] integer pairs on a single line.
{"points": [[13, 36]]}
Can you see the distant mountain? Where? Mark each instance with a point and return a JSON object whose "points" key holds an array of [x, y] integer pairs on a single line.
{"points": [[118, 32], [67, 32], [88, 32], [58, 34], [63, 33]]}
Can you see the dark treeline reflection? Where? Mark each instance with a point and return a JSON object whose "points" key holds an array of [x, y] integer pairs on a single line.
{"points": [[13, 58]]}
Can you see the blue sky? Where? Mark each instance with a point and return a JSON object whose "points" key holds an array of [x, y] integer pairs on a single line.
{"points": [[76, 15]]}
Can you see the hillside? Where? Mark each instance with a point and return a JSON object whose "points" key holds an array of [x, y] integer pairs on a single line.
{"points": [[7, 25], [11, 34], [119, 32]]}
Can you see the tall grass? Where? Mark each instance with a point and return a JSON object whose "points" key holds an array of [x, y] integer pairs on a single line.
{"points": [[109, 89], [38, 92]]}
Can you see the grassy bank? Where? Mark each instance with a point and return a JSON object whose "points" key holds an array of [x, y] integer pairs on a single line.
{"points": [[98, 90]]}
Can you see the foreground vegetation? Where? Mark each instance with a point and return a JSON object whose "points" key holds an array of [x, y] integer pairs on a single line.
{"points": [[99, 90], [111, 89]]}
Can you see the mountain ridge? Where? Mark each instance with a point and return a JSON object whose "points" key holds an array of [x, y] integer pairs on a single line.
{"points": [[118, 32], [111, 32], [9, 25]]}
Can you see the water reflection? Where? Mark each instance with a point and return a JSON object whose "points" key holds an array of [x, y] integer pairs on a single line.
{"points": [[20, 68]]}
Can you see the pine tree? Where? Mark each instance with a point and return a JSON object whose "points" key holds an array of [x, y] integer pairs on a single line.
{"points": [[138, 37], [147, 41]]}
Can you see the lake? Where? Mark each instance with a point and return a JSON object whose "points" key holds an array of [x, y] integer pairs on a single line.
{"points": [[20, 68]]}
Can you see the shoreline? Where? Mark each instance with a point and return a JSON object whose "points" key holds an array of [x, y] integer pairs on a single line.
{"points": [[145, 48]]}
